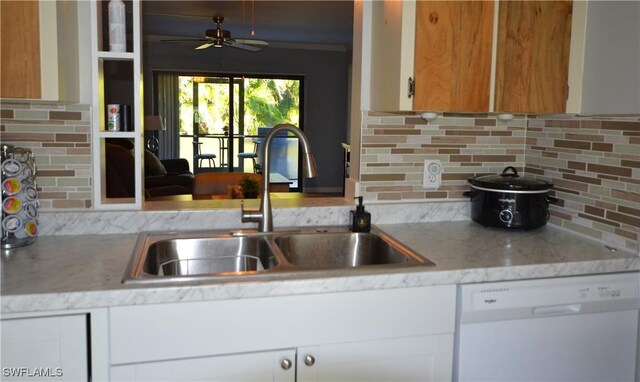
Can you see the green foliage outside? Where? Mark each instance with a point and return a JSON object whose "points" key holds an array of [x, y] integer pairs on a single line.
{"points": [[267, 102]]}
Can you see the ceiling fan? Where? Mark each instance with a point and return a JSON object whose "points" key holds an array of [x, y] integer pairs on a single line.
{"points": [[219, 37]]}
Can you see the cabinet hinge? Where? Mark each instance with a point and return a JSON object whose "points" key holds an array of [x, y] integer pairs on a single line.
{"points": [[411, 87]]}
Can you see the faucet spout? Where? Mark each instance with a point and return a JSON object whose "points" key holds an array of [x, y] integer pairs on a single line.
{"points": [[264, 216]]}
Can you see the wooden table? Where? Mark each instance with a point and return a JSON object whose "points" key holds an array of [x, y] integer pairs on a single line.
{"points": [[278, 183]]}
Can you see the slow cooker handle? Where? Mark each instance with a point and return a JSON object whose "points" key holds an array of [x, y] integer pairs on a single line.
{"points": [[468, 194], [514, 174], [552, 200]]}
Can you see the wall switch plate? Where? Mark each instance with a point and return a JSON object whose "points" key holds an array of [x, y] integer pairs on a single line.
{"points": [[432, 174]]}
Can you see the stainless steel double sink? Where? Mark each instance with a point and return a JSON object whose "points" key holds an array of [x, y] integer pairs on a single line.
{"points": [[169, 257]]}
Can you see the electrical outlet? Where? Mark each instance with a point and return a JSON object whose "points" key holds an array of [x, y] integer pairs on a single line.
{"points": [[432, 174]]}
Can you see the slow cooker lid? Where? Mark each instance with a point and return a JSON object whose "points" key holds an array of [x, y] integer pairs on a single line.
{"points": [[509, 180]]}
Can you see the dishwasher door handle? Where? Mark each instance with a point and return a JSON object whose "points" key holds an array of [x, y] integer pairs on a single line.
{"points": [[557, 309]]}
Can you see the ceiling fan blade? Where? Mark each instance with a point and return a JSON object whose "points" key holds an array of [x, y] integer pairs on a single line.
{"points": [[251, 42], [235, 44], [186, 40], [204, 46]]}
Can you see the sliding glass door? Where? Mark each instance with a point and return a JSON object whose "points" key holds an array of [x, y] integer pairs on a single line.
{"points": [[229, 115]]}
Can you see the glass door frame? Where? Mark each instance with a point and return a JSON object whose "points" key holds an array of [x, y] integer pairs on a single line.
{"points": [[231, 81], [240, 78]]}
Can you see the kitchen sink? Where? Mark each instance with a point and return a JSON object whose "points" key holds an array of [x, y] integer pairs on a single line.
{"points": [[163, 257], [193, 256], [342, 250]]}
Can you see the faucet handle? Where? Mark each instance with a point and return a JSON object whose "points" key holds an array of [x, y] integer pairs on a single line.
{"points": [[250, 215]]}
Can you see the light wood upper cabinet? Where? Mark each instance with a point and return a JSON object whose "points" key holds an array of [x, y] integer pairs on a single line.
{"points": [[41, 50], [472, 56], [532, 67], [453, 55], [20, 66]]}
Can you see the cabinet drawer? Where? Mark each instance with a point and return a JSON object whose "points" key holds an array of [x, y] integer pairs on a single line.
{"points": [[181, 330]]}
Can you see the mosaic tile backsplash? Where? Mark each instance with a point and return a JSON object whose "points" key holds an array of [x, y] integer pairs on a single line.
{"points": [[594, 163], [394, 149], [59, 136]]}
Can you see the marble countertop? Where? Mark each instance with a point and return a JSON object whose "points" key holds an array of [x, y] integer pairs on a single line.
{"points": [[81, 272]]}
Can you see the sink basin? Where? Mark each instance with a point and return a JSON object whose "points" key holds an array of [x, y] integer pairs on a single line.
{"points": [[196, 257], [169, 257], [343, 250]]}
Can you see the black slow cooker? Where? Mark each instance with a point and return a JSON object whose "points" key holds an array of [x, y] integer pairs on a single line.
{"points": [[509, 200]]}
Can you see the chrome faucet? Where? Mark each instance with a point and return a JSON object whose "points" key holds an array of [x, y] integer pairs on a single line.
{"points": [[264, 216]]}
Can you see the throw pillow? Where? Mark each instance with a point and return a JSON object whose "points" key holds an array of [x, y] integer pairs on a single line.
{"points": [[152, 165]]}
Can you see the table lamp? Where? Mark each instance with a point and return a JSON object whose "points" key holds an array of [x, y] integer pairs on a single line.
{"points": [[153, 123]]}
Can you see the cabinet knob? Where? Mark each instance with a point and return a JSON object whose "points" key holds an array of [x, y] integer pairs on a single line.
{"points": [[309, 360], [286, 364]]}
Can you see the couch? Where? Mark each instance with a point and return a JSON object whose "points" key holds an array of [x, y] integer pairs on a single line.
{"points": [[161, 177]]}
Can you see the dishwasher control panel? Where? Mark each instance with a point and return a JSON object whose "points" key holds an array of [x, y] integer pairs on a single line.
{"points": [[557, 295]]}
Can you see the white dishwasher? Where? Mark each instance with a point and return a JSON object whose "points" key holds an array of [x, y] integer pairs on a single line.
{"points": [[564, 329]]}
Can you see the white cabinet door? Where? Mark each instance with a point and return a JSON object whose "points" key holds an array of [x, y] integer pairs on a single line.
{"points": [[45, 348], [277, 366], [396, 335], [422, 358]]}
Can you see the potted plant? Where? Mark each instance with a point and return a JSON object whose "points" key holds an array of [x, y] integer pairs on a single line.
{"points": [[250, 186]]}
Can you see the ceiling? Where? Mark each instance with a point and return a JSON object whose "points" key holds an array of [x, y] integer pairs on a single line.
{"points": [[314, 22]]}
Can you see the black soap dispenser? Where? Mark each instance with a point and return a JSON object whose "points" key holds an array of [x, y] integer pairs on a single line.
{"points": [[360, 219]]}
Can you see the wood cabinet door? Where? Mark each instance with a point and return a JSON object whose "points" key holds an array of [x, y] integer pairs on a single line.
{"points": [[20, 66], [453, 55], [532, 63]]}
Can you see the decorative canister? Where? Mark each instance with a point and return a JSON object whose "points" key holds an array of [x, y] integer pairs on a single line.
{"points": [[19, 197], [113, 117], [117, 26]]}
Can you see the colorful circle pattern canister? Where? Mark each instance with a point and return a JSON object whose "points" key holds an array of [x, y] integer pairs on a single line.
{"points": [[19, 197]]}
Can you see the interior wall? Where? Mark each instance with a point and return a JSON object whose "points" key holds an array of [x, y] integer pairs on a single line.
{"points": [[325, 97], [611, 45], [59, 134], [594, 163], [395, 146]]}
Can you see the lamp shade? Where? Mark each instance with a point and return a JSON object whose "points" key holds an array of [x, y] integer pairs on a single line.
{"points": [[153, 123]]}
